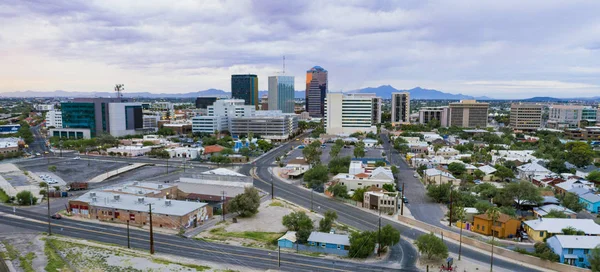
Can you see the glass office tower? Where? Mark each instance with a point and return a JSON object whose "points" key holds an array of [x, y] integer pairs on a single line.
{"points": [[316, 90], [245, 87], [281, 93]]}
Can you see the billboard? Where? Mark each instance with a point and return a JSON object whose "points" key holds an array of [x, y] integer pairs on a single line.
{"points": [[8, 129]]}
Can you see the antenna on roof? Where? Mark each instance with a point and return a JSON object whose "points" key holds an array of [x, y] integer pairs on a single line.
{"points": [[283, 64], [119, 88]]}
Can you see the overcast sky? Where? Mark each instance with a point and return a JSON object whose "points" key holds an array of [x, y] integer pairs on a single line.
{"points": [[501, 49]]}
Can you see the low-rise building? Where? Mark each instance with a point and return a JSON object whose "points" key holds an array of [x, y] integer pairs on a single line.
{"points": [[215, 186], [542, 211], [295, 168], [385, 202], [377, 178], [573, 249], [333, 243], [122, 208], [528, 171], [591, 201], [185, 152], [9, 145], [70, 133], [130, 150], [504, 227], [488, 172], [539, 229], [437, 176]]}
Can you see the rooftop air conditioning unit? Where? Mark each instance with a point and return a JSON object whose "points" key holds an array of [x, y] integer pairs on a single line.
{"points": [[160, 186], [167, 202], [93, 194], [140, 200], [117, 197], [94, 199]]}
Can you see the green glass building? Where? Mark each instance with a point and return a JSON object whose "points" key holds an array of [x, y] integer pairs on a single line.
{"points": [[245, 87], [79, 115]]}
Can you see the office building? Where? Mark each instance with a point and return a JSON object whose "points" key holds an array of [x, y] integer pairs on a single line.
{"points": [[469, 113], [245, 87], [204, 102], [570, 116], [349, 113], [281, 93], [273, 125], [70, 133], [95, 114], [10, 145], [583, 134], [441, 114], [400, 108], [43, 107], [54, 119], [218, 115], [526, 117], [316, 90], [150, 122]]}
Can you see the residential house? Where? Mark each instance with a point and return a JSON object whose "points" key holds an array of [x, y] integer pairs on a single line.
{"points": [[520, 156], [542, 211], [438, 177], [185, 152], [591, 201], [377, 178], [370, 142], [504, 227], [488, 172], [543, 181], [445, 152], [288, 240], [329, 243], [211, 150], [295, 168], [528, 171], [573, 249], [584, 171], [539, 229], [574, 185]]}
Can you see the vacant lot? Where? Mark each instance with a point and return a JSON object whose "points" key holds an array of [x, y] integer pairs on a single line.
{"points": [[71, 170]]}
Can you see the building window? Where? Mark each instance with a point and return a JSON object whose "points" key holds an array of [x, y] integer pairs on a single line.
{"points": [[339, 247], [580, 259], [541, 234], [570, 250], [477, 226], [483, 228], [586, 251]]}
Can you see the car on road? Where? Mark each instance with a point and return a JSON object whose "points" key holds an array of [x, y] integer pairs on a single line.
{"points": [[56, 216], [77, 158], [416, 175], [38, 154], [404, 199]]}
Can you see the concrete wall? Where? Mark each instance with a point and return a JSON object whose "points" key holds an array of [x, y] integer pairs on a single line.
{"points": [[498, 251]]}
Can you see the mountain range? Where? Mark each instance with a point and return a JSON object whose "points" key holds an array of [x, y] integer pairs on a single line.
{"points": [[383, 91]]}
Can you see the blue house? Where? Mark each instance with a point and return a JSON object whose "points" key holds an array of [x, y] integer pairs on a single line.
{"points": [[329, 243], [591, 201], [573, 249], [288, 240]]}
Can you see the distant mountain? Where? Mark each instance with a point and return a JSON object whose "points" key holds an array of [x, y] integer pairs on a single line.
{"points": [[544, 99], [60, 93], [385, 91]]}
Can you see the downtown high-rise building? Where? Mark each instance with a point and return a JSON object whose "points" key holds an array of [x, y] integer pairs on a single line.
{"points": [[316, 90], [350, 113], [245, 87], [281, 93], [400, 108], [525, 116], [469, 114]]}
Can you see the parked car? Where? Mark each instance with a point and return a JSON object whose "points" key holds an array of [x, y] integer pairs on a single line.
{"points": [[77, 158], [38, 154], [56, 216], [404, 199]]}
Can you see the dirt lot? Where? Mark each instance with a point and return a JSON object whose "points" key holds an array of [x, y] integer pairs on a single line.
{"points": [[75, 170], [262, 230], [38, 253]]}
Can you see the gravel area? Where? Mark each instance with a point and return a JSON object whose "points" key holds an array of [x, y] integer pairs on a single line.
{"points": [[23, 245], [76, 170], [269, 218]]}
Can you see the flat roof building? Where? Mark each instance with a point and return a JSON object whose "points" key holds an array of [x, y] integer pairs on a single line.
{"points": [[442, 114], [245, 87], [281, 94], [350, 113], [316, 90], [526, 117], [469, 113], [400, 108]]}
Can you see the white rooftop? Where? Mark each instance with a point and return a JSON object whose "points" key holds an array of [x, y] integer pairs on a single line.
{"points": [[137, 203], [322, 237], [435, 172], [555, 225], [533, 167], [290, 236], [223, 172], [487, 169], [578, 241]]}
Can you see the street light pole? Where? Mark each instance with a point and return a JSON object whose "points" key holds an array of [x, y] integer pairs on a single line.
{"points": [[60, 143], [379, 235], [450, 221], [311, 199], [402, 201], [128, 244], [48, 200]]}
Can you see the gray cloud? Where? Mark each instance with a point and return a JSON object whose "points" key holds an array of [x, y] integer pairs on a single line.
{"points": [[435, 44]]}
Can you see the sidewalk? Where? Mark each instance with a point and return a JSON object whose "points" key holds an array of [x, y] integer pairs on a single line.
{"points": [[109, 174]]}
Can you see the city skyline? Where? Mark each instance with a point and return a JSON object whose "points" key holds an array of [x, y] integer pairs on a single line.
{"points": [[501, 50]]}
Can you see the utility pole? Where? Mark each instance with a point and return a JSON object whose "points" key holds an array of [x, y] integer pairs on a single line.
{"points": [[48, 200], [223, 205], [168, 165], [272, 188], [450, 221], [128, 244], [402, 201], [151, 233], [311, 199], [279, 256], [379, 235]]}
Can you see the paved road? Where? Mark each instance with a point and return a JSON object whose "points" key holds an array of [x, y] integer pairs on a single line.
{"points": [[421, 207], [39, 143], [354, 217], [250, 258]]}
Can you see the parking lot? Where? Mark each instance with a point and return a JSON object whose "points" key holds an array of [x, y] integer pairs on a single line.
{"points": [[71, 170], [370, 152]]}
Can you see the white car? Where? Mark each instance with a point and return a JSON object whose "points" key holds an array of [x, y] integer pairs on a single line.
{"points": [[77, 158]]}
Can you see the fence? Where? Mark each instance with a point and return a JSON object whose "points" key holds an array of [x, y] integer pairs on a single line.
{"points": [[498, 251]]}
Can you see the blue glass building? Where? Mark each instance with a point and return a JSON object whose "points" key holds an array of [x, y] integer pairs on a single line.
{"points": [[281, 93]]}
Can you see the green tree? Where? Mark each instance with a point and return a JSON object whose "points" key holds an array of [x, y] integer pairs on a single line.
{"points": [[264, 145], [594, 258], [300, 223], [335, 151], [439, 193], [486, 190], [389, 236], [380, 164], [555, 214], [52, 168], [362, 244], [43, 184], [312, 153], [572, 231], [431, 246], [543, 251], [244, 151], [571, 201], [478, 174], [503, 172], [483, 206], [245, 204], [579, 153], [165, 131], [359, 149], [390, 187], [327, 221], [339, 165], [457, 168], [359, 194], [338, 190], [316, 176], [421, 169], [395, 170], [26, 198], [594, 176], [523, 192]]}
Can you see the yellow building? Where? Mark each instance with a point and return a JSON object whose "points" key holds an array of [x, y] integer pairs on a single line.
{"points": [[539, 229], [504, 227]]}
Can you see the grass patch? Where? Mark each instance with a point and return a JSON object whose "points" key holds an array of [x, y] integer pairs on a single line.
{"points": [[192, 266], [11, 253], [276, 204], [26, 262], [3, 196], [311, 254], [55, 262], [263, 237]]}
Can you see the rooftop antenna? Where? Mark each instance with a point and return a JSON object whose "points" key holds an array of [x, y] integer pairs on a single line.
{"points": [[283, 65], [119, 88]]}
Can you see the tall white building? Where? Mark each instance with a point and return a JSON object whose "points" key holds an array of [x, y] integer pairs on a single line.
{"points": [[220, 113], [54, 119], [281, 93], [400, 108], [125, 119], [349, 113], [569, 116], [44, 107], [271, 124], [441, 114]]}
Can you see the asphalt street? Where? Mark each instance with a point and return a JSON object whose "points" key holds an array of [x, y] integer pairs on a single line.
{"points": [[39, 142], [353, 216], [250, 258]]}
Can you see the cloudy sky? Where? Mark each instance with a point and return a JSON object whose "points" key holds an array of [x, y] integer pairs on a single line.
{"points": [[502, 49]]}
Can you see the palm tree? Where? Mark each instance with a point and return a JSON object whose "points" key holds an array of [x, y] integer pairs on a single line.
{"points": [[460, 214], [493, 213], [217, 133]]}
